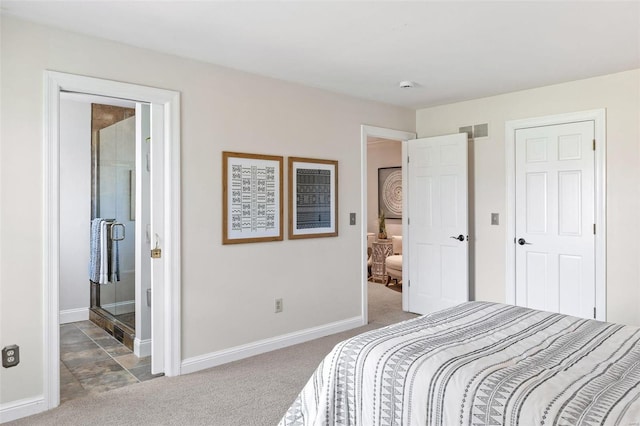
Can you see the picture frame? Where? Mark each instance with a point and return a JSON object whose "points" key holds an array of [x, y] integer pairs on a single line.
{"points": [[251, 198], [390, 192], [313, 198]]}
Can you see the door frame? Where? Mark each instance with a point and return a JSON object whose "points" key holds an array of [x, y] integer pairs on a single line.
{"points": [[54, 83], [598, 116], [385, 133]]}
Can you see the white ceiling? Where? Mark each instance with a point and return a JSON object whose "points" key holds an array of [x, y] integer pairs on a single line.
{"points": [[453, 50]]}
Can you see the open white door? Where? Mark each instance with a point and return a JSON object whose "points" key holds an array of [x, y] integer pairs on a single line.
{"points": [[142, 342], [157, 225], [437, 216]]}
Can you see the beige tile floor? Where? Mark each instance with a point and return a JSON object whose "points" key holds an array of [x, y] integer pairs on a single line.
{"points": [[91, 361]]}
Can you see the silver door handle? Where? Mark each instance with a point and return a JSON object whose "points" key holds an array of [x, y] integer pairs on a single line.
{"points": [[522, 242]]}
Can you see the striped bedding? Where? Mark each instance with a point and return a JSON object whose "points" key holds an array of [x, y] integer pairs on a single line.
{"points": [[478, 363]]}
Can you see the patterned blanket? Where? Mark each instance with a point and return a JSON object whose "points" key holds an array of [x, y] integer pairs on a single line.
{"points": [[478, 364]]}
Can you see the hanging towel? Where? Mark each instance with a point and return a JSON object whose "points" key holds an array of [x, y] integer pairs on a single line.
{"points": [[95, 248], [103, 267]]}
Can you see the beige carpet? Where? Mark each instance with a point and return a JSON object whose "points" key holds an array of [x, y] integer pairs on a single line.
{"points": [[253, 391]]}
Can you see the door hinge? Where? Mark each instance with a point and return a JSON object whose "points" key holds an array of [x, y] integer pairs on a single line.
{"points": [[408, 221], [410, 285], [594, 229], [408, 159], [594, 312], [594, 144]]}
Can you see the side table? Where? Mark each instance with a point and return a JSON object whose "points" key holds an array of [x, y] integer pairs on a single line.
{"points": [[381, 249]]}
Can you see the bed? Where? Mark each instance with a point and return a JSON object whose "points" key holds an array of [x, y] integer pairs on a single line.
{"points": [[478, 363]]}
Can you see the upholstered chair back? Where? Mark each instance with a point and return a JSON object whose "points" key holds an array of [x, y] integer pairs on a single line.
{"points": [[397, 244]]}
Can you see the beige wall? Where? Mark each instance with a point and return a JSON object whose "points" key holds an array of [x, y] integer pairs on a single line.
{"points": [[75, 204], [620, 95], [228, 292], [381, 153]]}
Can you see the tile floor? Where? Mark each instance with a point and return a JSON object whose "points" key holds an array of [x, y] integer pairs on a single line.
{"points": [[91, 361]]}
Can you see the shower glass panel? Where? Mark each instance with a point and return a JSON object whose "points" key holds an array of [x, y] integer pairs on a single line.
{"points": [[115, 194]]}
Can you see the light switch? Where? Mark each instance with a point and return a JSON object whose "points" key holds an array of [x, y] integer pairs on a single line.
{"points": [[495, 218], [352, 218]]}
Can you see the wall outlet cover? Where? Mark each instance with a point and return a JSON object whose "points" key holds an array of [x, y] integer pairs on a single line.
{"points": [[10, 356]]}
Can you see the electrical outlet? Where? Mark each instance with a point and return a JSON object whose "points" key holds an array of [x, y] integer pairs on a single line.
{"points": [[10, 356], [278, 305]]}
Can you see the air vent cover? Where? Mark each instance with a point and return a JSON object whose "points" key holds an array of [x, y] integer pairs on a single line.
{"points": [[475, 131], [481, 130]]}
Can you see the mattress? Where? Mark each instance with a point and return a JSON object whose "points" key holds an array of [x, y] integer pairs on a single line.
{"points": [[478, 363]]}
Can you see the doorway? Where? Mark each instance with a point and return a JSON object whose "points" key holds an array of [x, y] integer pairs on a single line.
{"points": [[164, 208], [556, 213], [382, 151], [105, 340]]}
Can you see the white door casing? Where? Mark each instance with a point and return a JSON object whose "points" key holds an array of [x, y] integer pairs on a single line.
{"points": [[169, 201], [437, 255], [598, 118], [555, 241]]}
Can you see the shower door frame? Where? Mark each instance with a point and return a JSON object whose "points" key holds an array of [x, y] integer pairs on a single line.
{"points": [[166, 273]]}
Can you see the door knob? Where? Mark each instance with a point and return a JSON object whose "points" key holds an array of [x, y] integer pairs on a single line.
{"points": [[522, 241], [459, 237]]}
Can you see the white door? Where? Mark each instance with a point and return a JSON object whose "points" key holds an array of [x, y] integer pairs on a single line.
{"points": [[437, 242], [142, 345], [158, 265], [555, 216]]}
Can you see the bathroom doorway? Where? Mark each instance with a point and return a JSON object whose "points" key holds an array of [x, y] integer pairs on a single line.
{"points": [[105, 330], [164, 231]]}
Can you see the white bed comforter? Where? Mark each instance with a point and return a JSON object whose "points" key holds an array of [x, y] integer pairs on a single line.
{"points": [[478, 364]]}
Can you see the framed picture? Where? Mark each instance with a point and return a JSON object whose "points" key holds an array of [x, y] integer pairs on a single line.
{"points": [[313, 198], [390, 192], [251, 198]]}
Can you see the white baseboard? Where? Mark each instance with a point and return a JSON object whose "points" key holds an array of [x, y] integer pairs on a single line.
{"points": [[74, 315], [124, 307], [213, 359], [21, 408], [141, 348]]}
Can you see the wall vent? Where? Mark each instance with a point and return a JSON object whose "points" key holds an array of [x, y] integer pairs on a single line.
{"points": [[476, 131], [480, 131]]}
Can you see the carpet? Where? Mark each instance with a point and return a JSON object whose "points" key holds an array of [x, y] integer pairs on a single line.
{"points": [[252, 391]]}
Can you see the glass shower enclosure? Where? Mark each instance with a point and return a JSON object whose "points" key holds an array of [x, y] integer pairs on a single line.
{"points": [[114, 203]]}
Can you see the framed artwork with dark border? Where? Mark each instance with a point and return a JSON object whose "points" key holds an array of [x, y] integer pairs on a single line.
{"points": [[313, 198], [251, 198], [390, 192]]}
